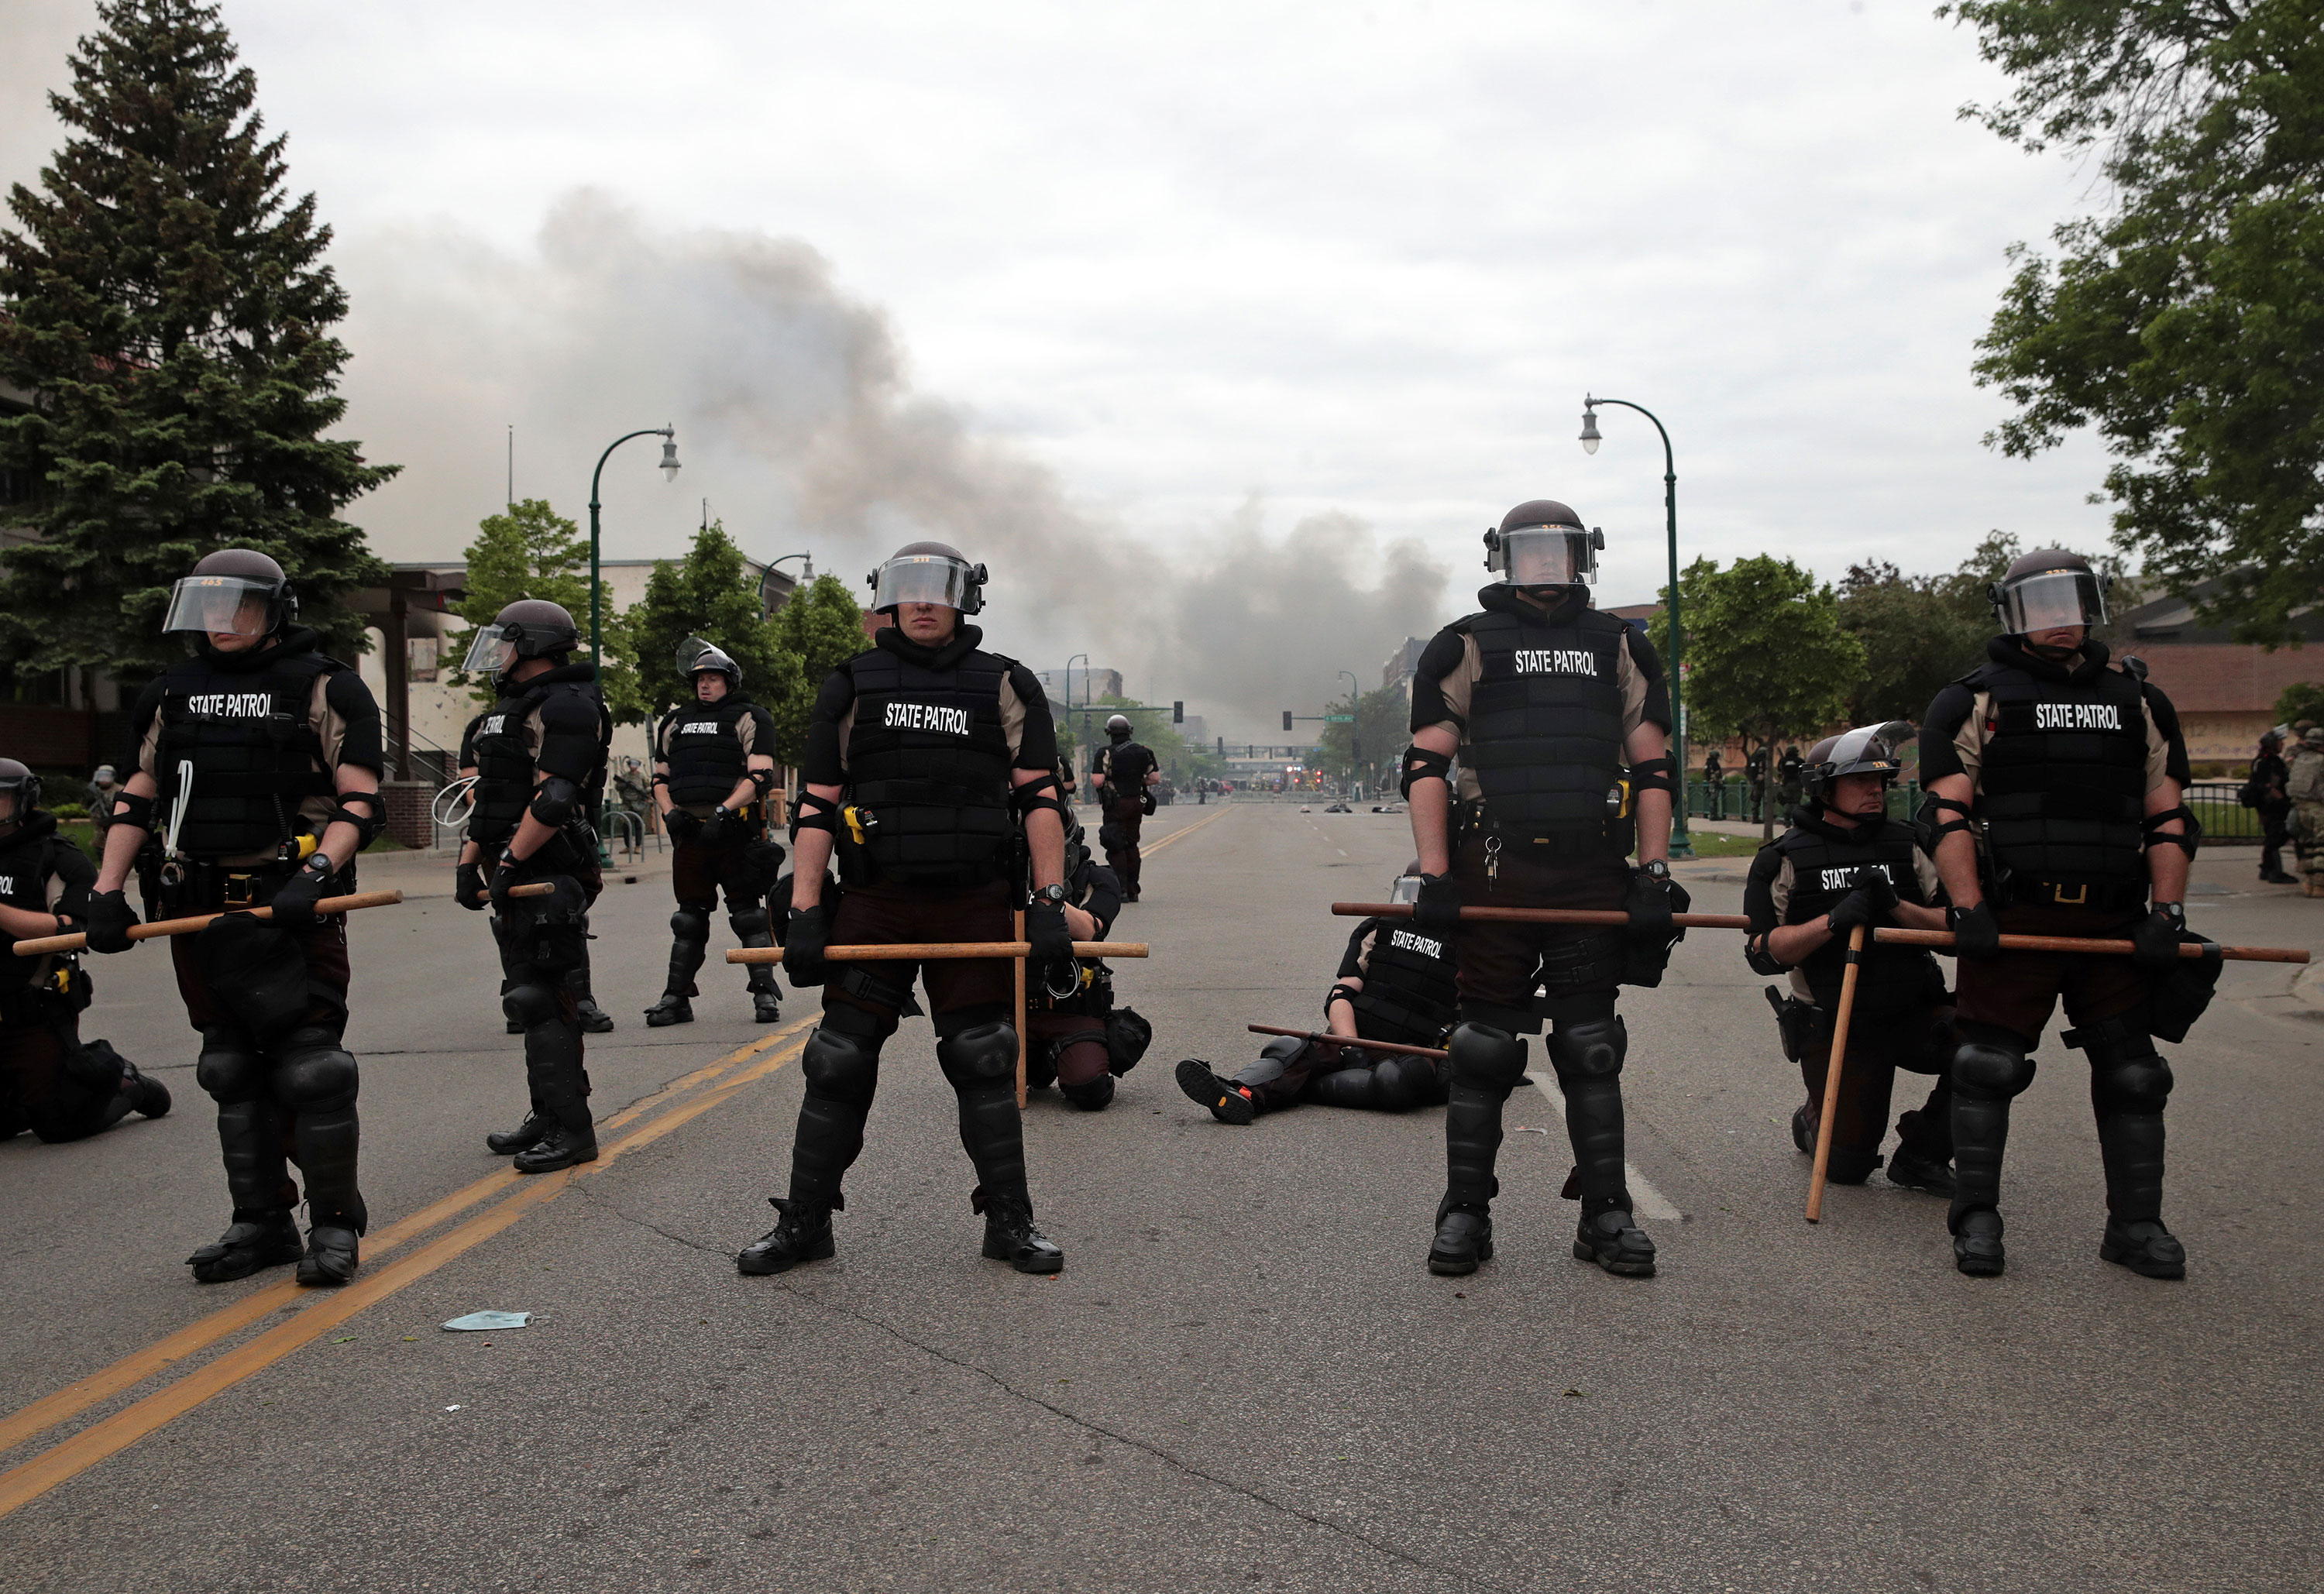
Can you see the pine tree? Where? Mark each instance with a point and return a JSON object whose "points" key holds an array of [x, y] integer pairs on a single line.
{"points": [[166, 307], [527, 551], [712, 594]]}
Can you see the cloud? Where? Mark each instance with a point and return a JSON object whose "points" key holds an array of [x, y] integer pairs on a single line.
{"points": [[796, 401]]}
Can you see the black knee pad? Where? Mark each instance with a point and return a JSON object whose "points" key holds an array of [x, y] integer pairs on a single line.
{"points": [[530, 1005], [841, 1067], [747, 922], [1591, 1049], [1283, 1051], [1486, 1058], [315, 1072], [977, 1058], [1091, 1095], [691, 922], [230, 1068], [1851, 1167], [1402, 1083], [1990, 1063], [2131, 1077]]}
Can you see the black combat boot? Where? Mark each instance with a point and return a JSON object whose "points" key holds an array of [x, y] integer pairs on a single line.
{"points": [[1978, 1250], [1465, 1237], [332, 1252], [534, 1129], [689, 944], [1923, 1157], [1908, 1169], [1990, 1069], [803, 1234], [560, 1092], [1485, 1064], [1010, 1236], [267, 1238], [2130, 1083], [672, 1008], [1613, 1240], [1229, 1102], [2145, 1247], [754, 927], [563, 1146]]}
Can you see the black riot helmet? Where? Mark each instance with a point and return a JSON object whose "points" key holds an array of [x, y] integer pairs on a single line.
{"points": [[235, 589], [1117, 728], [2046, 589], [1541, 543], [928, 573], [696, 657], [1867, 749], [21, 787], [529, 628]]}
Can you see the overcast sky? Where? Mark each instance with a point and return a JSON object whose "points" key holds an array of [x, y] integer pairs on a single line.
{"points": [[1185, 305]]}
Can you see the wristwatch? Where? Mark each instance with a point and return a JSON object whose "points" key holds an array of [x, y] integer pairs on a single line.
{"points": [[1655, 870], [1051, 896]]}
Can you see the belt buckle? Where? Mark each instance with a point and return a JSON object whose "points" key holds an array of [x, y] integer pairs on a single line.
{"points": [[237, 892], [2080, 898]]}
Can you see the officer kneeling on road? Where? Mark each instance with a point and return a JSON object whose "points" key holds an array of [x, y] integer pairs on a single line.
{"points": [[1079, 1041], [1843, 863], [50, 1083], [265, 757], [541, 767], [2054, 784], [1545, 700], [923, 756], [1395, 983], [713, 764]]}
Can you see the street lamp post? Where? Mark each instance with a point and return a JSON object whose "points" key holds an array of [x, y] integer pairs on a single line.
{"points": [[1680, 847], [1355, 727], [669, 435]]}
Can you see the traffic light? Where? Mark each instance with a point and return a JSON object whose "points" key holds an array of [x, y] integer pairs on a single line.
{"points": [[1287, 719], [1178, 713]]}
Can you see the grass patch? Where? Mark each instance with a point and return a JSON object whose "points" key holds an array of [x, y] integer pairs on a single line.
{"points": [[1713, 843]]}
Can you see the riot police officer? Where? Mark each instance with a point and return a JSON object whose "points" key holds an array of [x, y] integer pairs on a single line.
{"points": [[1077, 1038], [2054, 780], [1122, 781], [1560, 719], [1787, 778], [926, 758], [1714, 776], [1843, 863], [258, 762], [1395, 983], [540, 766], [2265, 789], [713, 764], [50, 1082]]}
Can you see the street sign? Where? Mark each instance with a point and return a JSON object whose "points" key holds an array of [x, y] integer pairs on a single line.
{"points": [[1339, 719]]}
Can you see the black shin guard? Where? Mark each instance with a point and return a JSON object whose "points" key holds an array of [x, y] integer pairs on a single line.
{"points": [[249, 1138], [753, 927], [1486, 1065], [841, 1070], [2129, 1085], [1990, 1069], [316, 1082], [1588, 1054], [980, 1062]]}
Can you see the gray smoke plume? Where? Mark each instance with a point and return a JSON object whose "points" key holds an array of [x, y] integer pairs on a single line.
{"points": [[797, 417]]}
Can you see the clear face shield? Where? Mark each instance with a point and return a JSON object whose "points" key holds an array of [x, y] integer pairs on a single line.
{"points": [[1546, 556], [1406, 890], [925, 578], [492, 651], [214, 603], [2052, 599]]}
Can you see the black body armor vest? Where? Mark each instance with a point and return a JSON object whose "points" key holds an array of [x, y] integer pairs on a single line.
{"points": [[255, 755], [1545, 726], [505, 768], [26, 868], [705, 750], [1410, 995], [928, 764], [1824, 859], [2062, 787]]}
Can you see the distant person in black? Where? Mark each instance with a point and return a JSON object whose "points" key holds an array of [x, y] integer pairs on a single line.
{"points": [[1395, 983], [1123, 780], [1714, 774], [2267, 788]]}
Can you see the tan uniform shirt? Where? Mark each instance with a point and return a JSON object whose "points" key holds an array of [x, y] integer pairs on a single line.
{"points": [[1461, 681], [746, 731]]}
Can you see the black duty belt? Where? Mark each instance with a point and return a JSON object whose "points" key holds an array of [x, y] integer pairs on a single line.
{"points": [[2096, 896]]}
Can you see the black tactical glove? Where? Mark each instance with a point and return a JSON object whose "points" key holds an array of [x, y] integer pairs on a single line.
{"points": [[468, 885], [1146, 802], [720, 828], [1649, 907], [1874, 879], [682, 826], [1046, 933], [806, 932], [1857, 907], [2156, 938], [109, 918], [1439, 908], [1977, 933], [293, 902]]}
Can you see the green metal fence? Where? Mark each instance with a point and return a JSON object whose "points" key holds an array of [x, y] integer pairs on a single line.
{"points": [[2214, 801]]}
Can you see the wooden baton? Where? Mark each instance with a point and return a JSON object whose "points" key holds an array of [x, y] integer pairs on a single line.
{"points": [[1350, 1042], [1017, 928], [79, 941], [1543, 915], [923, 952], [1846, 1010], [1943, 940]]}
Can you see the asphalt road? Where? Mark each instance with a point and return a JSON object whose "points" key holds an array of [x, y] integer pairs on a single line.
{"points": [[1245, 1378]]}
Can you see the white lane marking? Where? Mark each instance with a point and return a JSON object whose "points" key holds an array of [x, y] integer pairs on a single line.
{"points": [[1341, 851], [1646, 1202]]}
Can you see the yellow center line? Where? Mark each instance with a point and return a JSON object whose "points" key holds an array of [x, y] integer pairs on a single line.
{"points": [[27, 1482], [134, 1368], [1179, 835]]}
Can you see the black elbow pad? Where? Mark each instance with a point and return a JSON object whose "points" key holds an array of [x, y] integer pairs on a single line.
{"points": [[553, 801], [1422, 764]]}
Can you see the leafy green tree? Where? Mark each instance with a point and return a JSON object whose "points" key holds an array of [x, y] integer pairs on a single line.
{"points": [[2185, 323], [166, 306], [823, 625], [1766, 654], [2303, 700], [710, 594], [527, 550], [1362, 749]]}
